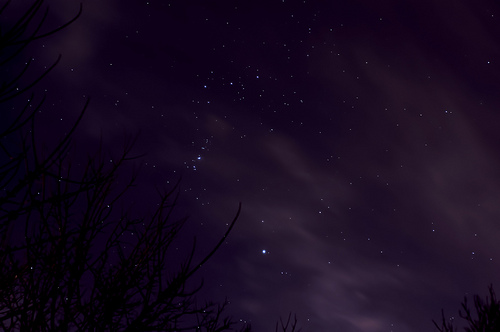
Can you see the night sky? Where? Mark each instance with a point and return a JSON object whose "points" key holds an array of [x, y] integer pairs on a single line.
{"points": [[362, 138]]}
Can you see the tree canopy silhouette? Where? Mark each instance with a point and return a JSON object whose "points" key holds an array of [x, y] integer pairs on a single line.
{"points": [[486, 317], [65, 264]]}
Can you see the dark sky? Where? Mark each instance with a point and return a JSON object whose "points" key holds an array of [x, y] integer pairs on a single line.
{"points": [[362, 138]]}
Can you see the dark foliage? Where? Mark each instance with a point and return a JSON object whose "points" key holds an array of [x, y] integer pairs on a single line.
{"points": [[485, 319], [69, 259]]}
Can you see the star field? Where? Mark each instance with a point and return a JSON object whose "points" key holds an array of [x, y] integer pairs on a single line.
{"points": [[361, 138]]}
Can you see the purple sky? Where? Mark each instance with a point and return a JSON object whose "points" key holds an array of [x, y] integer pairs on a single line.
{"points": [[361, 137]]}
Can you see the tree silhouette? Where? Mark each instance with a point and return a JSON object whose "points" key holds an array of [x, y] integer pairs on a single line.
{"points": [[288, 326], [70, 260], [485, 319]]}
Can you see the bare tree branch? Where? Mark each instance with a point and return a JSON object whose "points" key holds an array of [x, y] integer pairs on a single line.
{"points": [[70, 259]]}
